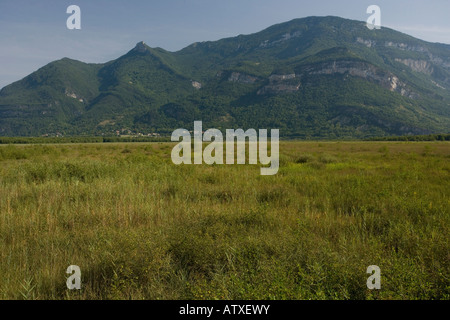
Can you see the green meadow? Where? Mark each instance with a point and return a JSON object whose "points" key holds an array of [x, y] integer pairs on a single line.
{"points": [[140, 227]]}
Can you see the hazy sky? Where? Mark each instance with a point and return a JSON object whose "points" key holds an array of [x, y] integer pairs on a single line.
{"points": [[34, 33]]}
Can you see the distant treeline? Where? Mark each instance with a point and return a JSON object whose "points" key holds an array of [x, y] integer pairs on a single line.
{"points": [[429, 137], [43, 140]]}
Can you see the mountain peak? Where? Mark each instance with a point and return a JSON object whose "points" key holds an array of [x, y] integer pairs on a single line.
{"points": [[141, 47]]}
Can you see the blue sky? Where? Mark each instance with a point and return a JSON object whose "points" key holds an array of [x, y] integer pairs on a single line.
{"points": [[33, 32]]}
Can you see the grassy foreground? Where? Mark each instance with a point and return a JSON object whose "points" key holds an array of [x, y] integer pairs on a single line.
{"points": [[140, 227]]}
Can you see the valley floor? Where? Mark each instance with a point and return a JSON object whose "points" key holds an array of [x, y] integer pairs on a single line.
{"points": [[140, 227]]}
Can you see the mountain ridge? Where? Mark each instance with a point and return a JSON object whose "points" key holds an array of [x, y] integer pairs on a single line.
{"points": [[325, 77]]}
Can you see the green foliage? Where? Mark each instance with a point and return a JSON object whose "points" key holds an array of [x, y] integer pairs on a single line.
{"points": [[428, 137], [75, 139], [141, 227], [151, 90]]}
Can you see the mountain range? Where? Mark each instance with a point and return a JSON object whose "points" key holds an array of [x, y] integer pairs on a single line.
{"points": [[315, 77]]}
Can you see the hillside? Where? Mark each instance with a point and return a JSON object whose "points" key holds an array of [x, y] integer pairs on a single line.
{"points": [[316, 77]]}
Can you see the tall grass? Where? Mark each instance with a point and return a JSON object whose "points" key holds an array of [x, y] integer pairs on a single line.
{"points": [[141, 227]]}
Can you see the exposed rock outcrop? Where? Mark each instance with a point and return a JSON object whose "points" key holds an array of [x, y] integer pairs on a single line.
{"points": [[405, 46], [73, 95], [242, 78], [363, 70], [280, 83], [281, 77], [367, 43], [196, 84], [278, 88], [140, 47], [284, 37], [422, 66]]}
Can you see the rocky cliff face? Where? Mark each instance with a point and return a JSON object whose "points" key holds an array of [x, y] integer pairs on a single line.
{"points": [[280, 83], [445, 63], [397, 45], [422, 66], [283, 38], [288, 83], [362, 70], [242, 78]]}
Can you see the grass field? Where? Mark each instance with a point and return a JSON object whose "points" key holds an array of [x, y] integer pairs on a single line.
{"points": [[140, 227]]}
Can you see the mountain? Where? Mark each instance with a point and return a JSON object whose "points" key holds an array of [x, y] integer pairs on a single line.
{"points": [[316, 77]]}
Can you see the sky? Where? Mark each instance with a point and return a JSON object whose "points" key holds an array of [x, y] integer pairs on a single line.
{"points": [[33, 32]]}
